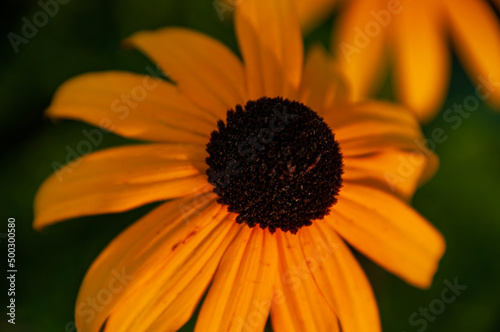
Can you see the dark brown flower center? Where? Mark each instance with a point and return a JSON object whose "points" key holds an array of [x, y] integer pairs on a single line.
{"points": [[275, 163]]}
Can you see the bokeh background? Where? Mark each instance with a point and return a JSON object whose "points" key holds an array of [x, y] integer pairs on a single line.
{"points": [[462, 200]]}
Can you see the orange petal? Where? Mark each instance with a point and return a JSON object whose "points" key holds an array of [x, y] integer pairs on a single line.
{"points": [[298, 304], [322, 85], [345, 115], [359, 46], [160, 265], [421, 57], [398, 172], [388, 231], [134, 106], [311, 13], [476, 32], [167, 298], [271, 44], [240, 296], [340, 278], [204, 69], [120, 179], [371, 127]]}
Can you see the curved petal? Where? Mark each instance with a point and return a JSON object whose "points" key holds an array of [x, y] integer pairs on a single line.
{"points": [[476, 32], [271, 44], [134, 106], [321, 85], [240, 296], [204, 69], [162, 263], [298, 304], [388, 231], [395, 171], [371, 127], [341, 279], [421, 57], [120, 179], [359, 48]]}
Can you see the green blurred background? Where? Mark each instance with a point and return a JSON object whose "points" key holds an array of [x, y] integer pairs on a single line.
{"points": [[462, 200]]}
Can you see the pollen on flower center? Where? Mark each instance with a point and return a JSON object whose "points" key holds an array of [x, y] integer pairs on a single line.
{"points": [[275, 163]]}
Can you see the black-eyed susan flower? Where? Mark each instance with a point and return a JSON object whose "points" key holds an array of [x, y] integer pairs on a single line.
{"points": [[413, 37], [266, 170]]}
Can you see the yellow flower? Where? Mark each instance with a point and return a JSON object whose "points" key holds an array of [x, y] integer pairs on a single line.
{"points": [[286, 178], [414, 37]]}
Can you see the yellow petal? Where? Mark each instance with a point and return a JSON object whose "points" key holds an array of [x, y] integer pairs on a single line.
{"points": [[398, 172], [120, 179], [421, 57], [240, 296], [476, 32], [358, 46], [148, 269], [340, 278], [298, 304], [388, 231], [134, 106], [204, 69], [371, 127], [321, 85], [271, 44]]}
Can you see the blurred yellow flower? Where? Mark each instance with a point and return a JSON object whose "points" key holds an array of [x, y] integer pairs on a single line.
{"points": [[413, 37], [309, 180]]}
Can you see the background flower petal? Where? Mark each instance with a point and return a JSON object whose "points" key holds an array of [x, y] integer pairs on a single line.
{"points": [[422, 60], [311, 13], [476, 32], [360, 56], [120, 179]]}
